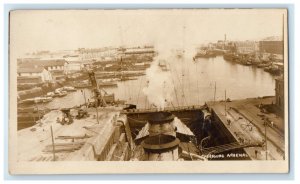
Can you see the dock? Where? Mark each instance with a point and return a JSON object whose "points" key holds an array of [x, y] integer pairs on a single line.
{"points": [[84, 139], [249, 125], [240, 129]]}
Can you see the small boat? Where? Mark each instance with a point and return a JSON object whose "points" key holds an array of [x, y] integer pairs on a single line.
{"points": [[36, 100], [127, 78], [50, 94], [273, 70], [262, 65], [248, 63], [29, 101], [42, 99], [62, 93], [82, 85], [107, 84], [163, 65], [228, 57], [69, 88], [46, 99], [205, 54]]}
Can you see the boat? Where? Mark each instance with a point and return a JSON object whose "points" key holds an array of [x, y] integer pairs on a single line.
{"points": [[29, 101], [256, 60], [248, 63], [50, 94], [163, 65], [105, 84], [124, 78], [43, 99], [228, 57], [61, 93], [205, 54], [81, 84], [103, 132], [35, 100], [263, 65], [273, 70], [140, 66], [69, 88]]}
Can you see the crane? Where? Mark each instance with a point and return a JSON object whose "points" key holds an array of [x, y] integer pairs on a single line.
{"points": [[99, 99]]}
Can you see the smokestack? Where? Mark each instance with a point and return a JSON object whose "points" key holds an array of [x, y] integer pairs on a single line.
{"points": [[161, 148], [161, 123], [162, 144]]}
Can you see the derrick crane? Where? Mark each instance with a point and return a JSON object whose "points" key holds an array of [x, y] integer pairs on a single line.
{"points": [[99, 99]]}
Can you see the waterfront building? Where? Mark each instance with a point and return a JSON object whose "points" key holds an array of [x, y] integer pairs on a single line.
{"points": [[246, 47], [54, 65], [50, 65], [33, 74], [272, 47], [96, 53], [73, 66], [138, 51]]}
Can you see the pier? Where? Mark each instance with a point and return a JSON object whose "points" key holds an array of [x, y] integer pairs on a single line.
{"points": [[250, 126]]}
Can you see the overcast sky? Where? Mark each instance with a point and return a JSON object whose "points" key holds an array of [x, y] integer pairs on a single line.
{"points": [[71, 29]]}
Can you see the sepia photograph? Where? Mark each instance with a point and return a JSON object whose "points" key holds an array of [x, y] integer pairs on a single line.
{"points": [[148, 91]]}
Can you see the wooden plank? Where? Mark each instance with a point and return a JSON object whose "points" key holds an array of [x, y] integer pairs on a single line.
{"points": [[73, 137], [66, 144]]}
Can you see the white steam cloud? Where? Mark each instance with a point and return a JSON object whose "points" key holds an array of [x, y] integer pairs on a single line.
{"points": [[176, 49], [159, 85]]}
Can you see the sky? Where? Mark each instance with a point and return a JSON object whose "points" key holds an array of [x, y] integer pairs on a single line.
{"points": [[32, 30]]}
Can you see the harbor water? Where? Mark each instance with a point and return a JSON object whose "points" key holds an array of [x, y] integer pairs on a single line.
{"points": [[194, 83]]}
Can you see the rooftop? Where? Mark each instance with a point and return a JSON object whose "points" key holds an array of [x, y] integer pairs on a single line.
{"points": [[42, 63], [31, 69]]}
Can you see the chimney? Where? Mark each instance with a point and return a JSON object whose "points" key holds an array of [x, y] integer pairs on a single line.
{"points": [[161, 148], [162, 144], [161, 123]]}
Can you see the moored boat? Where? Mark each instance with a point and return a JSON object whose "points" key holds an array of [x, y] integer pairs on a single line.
{"points": [[69, 88], [36, 100], [107, 84], [205, 54]]}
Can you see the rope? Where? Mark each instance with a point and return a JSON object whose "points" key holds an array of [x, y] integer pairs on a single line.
{"points": [[180, 84], [175, 91]]}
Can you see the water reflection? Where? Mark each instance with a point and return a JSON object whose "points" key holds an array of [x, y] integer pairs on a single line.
{"points": [[194, 83]]}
